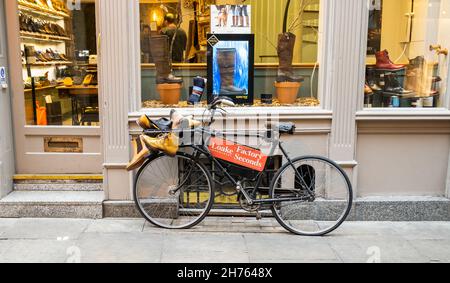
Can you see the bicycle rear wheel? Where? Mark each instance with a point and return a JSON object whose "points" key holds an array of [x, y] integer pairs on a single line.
{"points": [[173, 192], [315, 196]]}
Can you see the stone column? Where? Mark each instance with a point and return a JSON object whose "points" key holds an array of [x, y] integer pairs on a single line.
{"points": [[118, 23], [344, 45]]}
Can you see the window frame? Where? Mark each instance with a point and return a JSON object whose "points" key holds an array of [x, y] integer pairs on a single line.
{"points": [[323, 95]]}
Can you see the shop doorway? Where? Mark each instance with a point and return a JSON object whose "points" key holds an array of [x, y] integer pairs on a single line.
{"points": [[6, 148], [57, 118]]}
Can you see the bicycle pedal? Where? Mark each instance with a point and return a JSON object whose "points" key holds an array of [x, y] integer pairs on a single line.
{"points": [[258, 215]]}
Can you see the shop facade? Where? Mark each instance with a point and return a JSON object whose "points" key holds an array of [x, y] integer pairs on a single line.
{"points": [[397, 157]]}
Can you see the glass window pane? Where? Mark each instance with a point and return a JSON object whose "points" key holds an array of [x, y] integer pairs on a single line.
{"points": [[405, 56], [291, 83], [59, 47]]}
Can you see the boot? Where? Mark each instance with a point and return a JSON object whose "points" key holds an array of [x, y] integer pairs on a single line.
{"points": [[226, 58], [168, 144], [385, 63], [371, 80], [198, 90], [394, 86], [160, 53], [140, 153], [286, 44]]}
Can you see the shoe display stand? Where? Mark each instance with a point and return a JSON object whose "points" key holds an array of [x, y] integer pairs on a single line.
{"points": [[384, 97], [310, 32], [49, 32]]}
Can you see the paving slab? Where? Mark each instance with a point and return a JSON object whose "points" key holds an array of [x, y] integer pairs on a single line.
{"points": [[6, 224], [35, 251], [51, 229], [377, 249], [434, 250], [282, 247], [120, 247], [116, 226], [197, 248]]}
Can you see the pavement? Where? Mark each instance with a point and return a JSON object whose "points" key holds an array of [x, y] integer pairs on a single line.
{"points": [[221, 240]]}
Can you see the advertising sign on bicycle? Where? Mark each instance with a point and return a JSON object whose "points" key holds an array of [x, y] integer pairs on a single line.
{"points": [[238, 154]]}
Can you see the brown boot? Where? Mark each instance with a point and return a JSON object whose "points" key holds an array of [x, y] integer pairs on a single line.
{"points": [[140, 153], [168, 144], [160, 53], [226, 58], [286, 44], [385, 63]]}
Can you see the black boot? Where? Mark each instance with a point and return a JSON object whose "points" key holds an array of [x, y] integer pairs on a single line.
{"points": [[394, 86]]}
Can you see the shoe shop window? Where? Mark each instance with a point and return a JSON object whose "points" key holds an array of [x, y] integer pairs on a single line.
{"points": [[407, 52], [59, 49], [195, 50]]}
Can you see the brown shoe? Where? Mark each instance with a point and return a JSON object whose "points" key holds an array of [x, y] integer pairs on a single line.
{"points": [[140, 153], [385, 63], [168, 144], [144, 122]]}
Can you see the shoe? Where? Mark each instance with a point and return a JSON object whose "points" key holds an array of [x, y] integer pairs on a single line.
{"points": [[394, 86], [140, 153], [168, 144], [160, 53], [226, 58], [176, 119], [197, 91], [181, 122], [373, 86], [144, 122], [88, 80], [385, 63], [367, 90], [286, 44], [68, 82], [436, 79]]}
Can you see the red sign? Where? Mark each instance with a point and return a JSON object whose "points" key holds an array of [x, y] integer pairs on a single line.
{"points": [[238, 154]]}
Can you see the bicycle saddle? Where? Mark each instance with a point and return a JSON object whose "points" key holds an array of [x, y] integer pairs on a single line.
{"points": [[282, 128]]}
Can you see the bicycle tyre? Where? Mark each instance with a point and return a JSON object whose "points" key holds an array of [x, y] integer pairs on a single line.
{"points": [[284, 223], [153, 221]]}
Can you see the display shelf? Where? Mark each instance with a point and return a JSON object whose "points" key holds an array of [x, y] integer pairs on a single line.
{"points": [[39, 9], [40, 14], [34, 36], [311, 26], [53, 63], [41, 88]]}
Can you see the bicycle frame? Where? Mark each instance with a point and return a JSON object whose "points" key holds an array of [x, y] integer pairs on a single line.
{"points": [[202, 149]]}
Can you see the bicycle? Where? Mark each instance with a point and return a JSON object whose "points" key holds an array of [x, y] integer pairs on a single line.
{"points": [[309, 195]]}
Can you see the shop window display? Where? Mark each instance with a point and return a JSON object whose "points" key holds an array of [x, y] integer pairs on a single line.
{"points": [[59, 48], [284, 62], [407, 65]]}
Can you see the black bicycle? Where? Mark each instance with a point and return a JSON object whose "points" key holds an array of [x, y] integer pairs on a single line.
{"points": [[309, 195]]}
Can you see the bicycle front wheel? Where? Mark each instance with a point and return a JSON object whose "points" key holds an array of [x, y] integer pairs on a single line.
{"points": [[315, 196], [173, 192]]}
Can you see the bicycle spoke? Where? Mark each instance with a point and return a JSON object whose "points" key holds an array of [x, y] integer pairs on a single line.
{"points": [[173, 192], [318, 214]]}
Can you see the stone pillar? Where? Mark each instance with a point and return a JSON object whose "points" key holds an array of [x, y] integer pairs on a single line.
{"points": [[118, 23], [344, 45]]}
